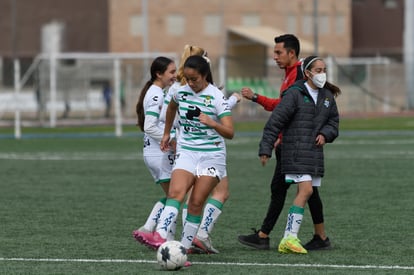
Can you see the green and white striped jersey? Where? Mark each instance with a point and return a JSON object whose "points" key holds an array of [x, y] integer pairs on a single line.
{"points": [[193, 135]]}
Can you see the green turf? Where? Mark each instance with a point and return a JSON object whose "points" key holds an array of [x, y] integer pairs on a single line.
{"points": [[375, 123], [80, 198]]}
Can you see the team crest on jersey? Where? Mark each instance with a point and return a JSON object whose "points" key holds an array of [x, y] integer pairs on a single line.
{"points": [[326, 102], [207, 101]]}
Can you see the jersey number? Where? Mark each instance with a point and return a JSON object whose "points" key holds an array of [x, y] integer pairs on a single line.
{"points": [[172, 158]]}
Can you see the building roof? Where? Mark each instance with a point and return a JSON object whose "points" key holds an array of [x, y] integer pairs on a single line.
{"points": [[265, 35]]}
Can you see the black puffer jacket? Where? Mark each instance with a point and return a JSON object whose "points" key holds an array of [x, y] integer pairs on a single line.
{"points": [[301, 121]]}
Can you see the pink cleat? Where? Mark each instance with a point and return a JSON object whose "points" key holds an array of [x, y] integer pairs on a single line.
{"points": [[137, 234], [187, 264], [152, 240]]}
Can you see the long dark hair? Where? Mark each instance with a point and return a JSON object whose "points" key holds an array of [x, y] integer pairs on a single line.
{"points": [[159, 65], [308, 63], [201, 65]]}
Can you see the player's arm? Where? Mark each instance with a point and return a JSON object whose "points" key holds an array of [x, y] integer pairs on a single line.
{"points": [[224, 127], [279, 118], [169, 120], [269, 104], [233, 100], [151, 127]]}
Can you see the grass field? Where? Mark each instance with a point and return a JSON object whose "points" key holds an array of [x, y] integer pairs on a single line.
{"points": [[69, 205]]}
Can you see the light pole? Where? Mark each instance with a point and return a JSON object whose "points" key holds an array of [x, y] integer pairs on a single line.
{"points": [[315, 27], [145, 42], [16, 65], [409, 52], [13, 28]]}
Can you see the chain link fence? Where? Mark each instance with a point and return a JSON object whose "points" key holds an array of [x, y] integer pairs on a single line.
{"points": [[369, 85]]}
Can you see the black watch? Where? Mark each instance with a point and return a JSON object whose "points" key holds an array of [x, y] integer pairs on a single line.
{"points": [[255, 96]]}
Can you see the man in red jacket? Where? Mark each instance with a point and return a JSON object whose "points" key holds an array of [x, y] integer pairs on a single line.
{"points": [[286, 55]]}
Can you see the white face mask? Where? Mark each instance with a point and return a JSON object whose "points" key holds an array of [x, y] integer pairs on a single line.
{"points": [[319, 80]]}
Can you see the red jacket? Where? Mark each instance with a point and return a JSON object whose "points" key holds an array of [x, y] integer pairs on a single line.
{"points": [[292, 74]]}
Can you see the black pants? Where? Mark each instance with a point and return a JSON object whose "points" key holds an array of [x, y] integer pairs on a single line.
{"points": [[278, 190]]}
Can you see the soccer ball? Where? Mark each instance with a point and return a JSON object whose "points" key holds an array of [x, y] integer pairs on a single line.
{"points": [[171, 255]]}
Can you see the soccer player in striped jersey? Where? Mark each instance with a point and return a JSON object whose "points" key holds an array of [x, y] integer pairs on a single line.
{"points": [[205, 121], [159, 163], [220, 194]]}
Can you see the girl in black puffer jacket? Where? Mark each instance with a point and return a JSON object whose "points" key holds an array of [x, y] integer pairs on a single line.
{"points": [[308, 117]]}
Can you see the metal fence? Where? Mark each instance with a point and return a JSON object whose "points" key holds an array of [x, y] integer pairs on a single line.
{"points": [[72, 88]]}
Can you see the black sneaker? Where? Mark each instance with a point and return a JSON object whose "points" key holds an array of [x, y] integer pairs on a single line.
{"points": [[254, 240], [318, 244]]}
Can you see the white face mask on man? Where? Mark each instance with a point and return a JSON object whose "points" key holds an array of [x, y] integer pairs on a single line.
{"points": [[319, 80]]}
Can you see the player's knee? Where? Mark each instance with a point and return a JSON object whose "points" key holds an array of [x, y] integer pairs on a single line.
{"points": [[308, 191], [176, 194], [305, 192]]}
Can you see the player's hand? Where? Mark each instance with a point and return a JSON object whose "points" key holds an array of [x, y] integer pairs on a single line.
{"points": [[247, 93], [320, 140], [207, 120], [278, 141], [238, 96], [264, 159], [165, 143]]}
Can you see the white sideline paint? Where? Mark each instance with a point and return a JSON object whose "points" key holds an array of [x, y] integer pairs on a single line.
{"points": [[373, 267]]}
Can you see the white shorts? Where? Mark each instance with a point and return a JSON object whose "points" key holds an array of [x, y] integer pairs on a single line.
{"points": [[296, 178], [160, 166], [202, 163]]}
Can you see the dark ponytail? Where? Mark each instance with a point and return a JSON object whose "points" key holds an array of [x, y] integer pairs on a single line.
{"points": [[333, 88], [140, 105], [159, 65]]}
